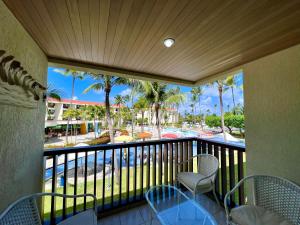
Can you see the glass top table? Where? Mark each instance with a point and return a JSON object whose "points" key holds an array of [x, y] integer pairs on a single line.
{"points": [[173, 207]]}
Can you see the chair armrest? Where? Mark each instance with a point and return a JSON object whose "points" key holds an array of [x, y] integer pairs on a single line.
{"points": [[72, 196], [228, 194]]}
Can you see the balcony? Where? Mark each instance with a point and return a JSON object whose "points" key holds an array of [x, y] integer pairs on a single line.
{"points": [[89, 170]]}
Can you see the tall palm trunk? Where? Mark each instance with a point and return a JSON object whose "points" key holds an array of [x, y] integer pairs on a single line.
{"points": [[111, 133], [119, 111], [233, 100], [132, 117], [157, 117], [95, 128], [142, 127], [72, 96], [220, 88], [108, 116]]}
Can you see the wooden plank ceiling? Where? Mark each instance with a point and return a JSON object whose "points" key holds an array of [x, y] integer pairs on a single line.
{"points": [[212, 36]]}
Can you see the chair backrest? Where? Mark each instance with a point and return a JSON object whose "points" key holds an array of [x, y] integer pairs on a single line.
{"points": [[208, 164], [24, 211], [278, 195]]}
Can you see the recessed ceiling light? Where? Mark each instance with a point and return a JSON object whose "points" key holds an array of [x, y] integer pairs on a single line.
{"points": [[169, 42]]}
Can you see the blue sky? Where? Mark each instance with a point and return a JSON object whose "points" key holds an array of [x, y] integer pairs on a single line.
{"points": [[208, 100]]}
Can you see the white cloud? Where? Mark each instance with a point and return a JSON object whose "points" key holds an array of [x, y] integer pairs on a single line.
{"points": [[75, 98], [56, 70], [98, 92], [125, 92]]}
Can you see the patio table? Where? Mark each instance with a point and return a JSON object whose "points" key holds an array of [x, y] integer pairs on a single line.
{"points": [[173, 207]]}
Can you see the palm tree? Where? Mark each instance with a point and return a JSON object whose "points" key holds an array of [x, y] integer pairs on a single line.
{"points": [[75, 75], [141, 105], [53, 93], [194, 99], [221, 85], [178, 99], [119, 100], [72, 113], [94, 113], [158, 94], [135, 88], [197, 92], [106, 83], [231, 83]]}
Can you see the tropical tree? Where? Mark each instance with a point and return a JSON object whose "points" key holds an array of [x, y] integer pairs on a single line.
{"points": [[159, 94], [106, 83], [119, 100], [141, 105], [221, 85], [75, 75], [135, 86], [70, 114], [198, 92], [94, 113], [230, 82], [53, 93]]}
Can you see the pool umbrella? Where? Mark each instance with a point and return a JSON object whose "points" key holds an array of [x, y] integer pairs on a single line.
{"points": [[170, 135], [144, 135], [123, 138]]}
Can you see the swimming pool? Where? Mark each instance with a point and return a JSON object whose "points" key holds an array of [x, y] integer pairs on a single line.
{"points": [[180, 132]]}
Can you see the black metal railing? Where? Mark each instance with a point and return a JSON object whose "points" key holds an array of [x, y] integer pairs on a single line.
{"points": [[120, 174]]}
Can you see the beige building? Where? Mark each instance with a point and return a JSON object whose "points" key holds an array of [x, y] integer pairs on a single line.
{"points": [[56, 109]]}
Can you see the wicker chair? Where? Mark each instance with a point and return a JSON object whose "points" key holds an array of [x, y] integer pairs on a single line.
{"points": [[272, 201], [204, 180], [25, 211]]}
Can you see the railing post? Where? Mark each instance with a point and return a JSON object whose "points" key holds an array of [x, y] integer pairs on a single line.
{"points": [[154, 166], [231, 172], [190, 155], [176, 159], [160, 165], [53, 190], [223, 171], [241, 176], [171, 163], [65, 184], [165, 159]]}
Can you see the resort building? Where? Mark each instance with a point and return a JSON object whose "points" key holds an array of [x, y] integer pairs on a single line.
{"points": [[55, 113]]}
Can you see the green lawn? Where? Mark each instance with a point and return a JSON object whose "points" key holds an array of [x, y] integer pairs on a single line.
{"points": [[116, 194]]}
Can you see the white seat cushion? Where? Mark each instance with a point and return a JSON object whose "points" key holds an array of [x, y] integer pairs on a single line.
{"points": [[87, 217], [190, 179], [255, 215]]}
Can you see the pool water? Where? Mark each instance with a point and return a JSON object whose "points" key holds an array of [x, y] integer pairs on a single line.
{"points": [[180, 132]]}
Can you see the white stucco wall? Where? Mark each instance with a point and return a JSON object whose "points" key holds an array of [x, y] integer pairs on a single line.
{"points": [[272, 114], [21, 130]]}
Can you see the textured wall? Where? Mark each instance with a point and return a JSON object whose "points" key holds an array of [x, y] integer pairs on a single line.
{"points": [[21, 130], [272, 113]]}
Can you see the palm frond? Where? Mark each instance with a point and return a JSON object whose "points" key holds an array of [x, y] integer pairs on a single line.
{"points": [[95, 86]]}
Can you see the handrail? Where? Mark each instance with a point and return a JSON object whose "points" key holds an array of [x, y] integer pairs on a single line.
{"points": [[58, 151], [145, 164]]}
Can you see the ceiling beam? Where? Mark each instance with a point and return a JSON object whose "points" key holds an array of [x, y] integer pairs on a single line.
{"points": [[107, 70]]}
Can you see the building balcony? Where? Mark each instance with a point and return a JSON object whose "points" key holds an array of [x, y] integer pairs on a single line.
{"points": [[120, 182]]}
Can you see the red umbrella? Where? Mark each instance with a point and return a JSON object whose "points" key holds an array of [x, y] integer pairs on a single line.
{"points": [[170, 135]]}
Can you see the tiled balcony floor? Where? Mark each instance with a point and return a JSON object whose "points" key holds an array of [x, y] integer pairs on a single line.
{"points": [[144, 215]]}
